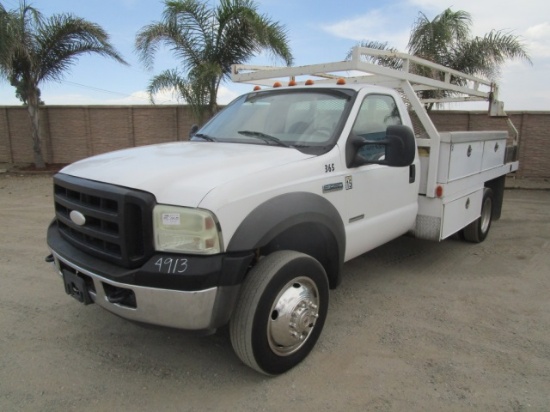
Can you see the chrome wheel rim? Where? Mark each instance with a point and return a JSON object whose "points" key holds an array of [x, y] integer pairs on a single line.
{"points": [[486, 215], [293, 316]]}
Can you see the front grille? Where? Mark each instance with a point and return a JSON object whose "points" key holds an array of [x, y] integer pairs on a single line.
{"points": [[118, 221]]}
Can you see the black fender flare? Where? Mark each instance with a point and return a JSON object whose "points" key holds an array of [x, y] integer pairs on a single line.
{"points": [[281, 214]]}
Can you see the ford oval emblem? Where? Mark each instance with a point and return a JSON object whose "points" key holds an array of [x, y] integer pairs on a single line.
{"points": [[77, 218]]}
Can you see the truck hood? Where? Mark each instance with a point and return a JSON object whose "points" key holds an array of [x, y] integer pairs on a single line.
{"points": [[190, 168]]}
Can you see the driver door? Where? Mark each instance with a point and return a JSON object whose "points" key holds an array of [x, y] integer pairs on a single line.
{"points": [[381, 200]]}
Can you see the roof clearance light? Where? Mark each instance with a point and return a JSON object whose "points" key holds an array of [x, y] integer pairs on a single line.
{"points": [[277, 84], [439, 191], [341, 81], [292, 83], [309, 82], [256, 88]]}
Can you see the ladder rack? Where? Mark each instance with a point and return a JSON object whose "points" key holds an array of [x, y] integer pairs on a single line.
{"points": [[360, 70]]}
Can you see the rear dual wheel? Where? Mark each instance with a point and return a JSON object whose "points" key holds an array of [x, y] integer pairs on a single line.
{"points": [[281, 312]]}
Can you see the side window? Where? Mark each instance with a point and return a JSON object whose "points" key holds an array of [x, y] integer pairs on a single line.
{"points": [[377, 112]]}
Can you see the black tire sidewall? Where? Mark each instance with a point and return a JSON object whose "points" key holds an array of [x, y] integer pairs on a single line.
{"points": [[474, 231], [487, 194], [267, 360]]}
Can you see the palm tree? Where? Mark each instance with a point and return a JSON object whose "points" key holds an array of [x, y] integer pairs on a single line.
{"points": [[447, 40], [34, 49], [435, 39], [207, 41]]}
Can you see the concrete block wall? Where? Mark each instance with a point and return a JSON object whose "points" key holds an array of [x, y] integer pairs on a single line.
{"points": [[71, 133]]}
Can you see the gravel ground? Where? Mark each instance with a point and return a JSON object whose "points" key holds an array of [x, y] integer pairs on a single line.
{"points": [[415, 326]]}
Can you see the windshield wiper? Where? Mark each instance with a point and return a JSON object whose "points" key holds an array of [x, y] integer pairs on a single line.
{"points": [[205, 137], [265, 137]]}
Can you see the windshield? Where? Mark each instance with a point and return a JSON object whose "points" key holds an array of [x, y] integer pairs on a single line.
{"points": [[308, 120]]}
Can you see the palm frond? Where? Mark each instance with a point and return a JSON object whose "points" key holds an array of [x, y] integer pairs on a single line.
{"points": [[434, 39], [273, 37], [190, 89], [206, 41], [391, 62], [485, 55], [242, 33], [16, 41], [63, 38], [168, 80], [185, 29], [194, 23]]}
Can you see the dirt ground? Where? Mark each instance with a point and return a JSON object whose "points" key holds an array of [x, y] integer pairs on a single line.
{"points": [[415, 326]]}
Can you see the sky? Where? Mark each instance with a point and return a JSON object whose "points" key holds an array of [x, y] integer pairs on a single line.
{"points": [[319, 31]]}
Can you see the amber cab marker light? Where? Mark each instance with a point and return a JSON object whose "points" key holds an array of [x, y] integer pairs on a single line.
{"points": [[341, 81], [292, 83], [277, 84], [309, 82], [256, 88]]}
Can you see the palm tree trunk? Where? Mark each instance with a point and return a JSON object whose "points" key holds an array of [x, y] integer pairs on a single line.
{"points": [[33, 107], [213, 105]]}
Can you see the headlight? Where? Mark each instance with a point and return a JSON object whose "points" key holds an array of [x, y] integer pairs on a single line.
{"points": [[185, 230]]}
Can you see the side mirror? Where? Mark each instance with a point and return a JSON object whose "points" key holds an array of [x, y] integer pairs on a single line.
{"points": [[399, 148]]}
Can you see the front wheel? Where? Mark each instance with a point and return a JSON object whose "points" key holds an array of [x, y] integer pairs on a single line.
{"points": [[281, 311], [477, 231]]}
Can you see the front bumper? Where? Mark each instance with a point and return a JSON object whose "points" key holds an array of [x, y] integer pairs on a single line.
{"points": [[200, 299]]}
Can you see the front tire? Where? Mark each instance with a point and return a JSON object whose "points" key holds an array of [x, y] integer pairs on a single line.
{"points": [[477, 231], [281, 312]]}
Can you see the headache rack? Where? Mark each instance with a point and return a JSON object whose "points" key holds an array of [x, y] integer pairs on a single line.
{"points": [[412, 76]]}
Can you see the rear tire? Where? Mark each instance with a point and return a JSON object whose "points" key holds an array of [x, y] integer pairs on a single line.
{"points": [[477, 231], [281, 312]]}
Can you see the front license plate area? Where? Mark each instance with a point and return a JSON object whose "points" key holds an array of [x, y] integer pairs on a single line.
{"points": [[75, 286]]}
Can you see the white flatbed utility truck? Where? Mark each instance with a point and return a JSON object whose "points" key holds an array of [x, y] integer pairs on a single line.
{"points": [[250, 222]]}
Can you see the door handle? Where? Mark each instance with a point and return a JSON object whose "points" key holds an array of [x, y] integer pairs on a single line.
{"points": [[412, 173]]}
